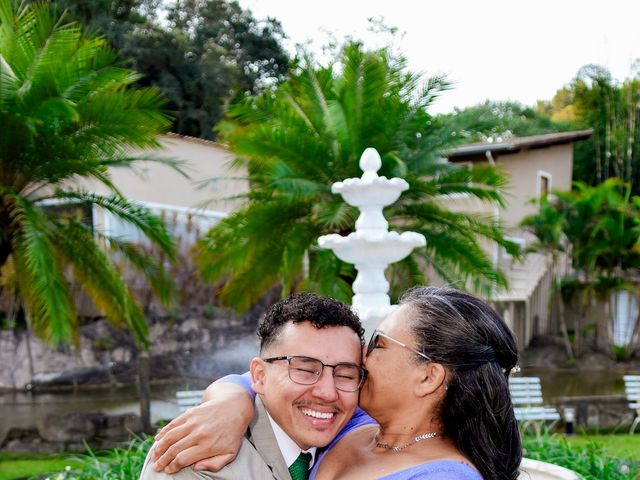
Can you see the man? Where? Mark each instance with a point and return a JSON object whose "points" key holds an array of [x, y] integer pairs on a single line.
{"points": [[307, 379]]}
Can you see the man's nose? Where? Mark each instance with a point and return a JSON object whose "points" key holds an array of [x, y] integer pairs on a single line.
{"points": [[325, 387]]}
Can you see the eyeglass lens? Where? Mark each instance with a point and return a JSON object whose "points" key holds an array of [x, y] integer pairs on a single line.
{"points": [[307, 371], [372, 343]]}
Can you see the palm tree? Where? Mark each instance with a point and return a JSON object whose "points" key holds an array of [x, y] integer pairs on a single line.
{"points": [[298, 139], [599, 227], [67, 113], [549, 225]]}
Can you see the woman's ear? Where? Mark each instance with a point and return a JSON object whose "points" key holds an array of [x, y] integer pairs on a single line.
{"points": [[432, 377], [257, 369]]}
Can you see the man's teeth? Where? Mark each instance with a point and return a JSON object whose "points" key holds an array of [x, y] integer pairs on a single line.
{"points": [[316, 414]]}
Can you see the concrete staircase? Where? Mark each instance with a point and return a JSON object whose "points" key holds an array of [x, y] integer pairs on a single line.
{"points": [[524, 277]]}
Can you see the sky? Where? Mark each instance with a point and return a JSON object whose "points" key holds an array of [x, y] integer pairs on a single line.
{"points": [[519, 50]]}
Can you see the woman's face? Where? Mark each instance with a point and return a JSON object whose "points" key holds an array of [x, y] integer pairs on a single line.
{"points": [[391, 367]]}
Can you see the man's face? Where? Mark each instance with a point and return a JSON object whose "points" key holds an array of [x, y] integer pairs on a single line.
{"points": [[311, 415]]}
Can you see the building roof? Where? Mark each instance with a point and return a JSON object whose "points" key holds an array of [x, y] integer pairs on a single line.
{"points": [[516, 144], [200, 141]]}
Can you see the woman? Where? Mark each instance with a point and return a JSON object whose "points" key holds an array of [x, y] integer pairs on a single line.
{"points": [[438, 390]]}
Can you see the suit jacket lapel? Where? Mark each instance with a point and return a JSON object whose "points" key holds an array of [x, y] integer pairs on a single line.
{"points": [[264, 440]]}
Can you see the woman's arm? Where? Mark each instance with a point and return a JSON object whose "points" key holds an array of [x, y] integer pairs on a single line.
{"points": [[208, 436]]}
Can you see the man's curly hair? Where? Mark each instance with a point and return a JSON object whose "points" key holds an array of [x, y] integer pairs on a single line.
{"points": [[321, 312]]}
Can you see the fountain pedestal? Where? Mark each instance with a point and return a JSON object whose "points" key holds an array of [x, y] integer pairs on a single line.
{"points": [[372, 247]]}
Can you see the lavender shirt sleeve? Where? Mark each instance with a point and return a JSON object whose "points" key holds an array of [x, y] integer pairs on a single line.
{"points": [[243, 380]]}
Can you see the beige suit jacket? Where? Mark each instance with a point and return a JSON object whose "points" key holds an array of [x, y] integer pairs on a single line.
{"points": [[259, 458]]}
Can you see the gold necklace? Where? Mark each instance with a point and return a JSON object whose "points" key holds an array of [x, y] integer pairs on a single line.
{"points": [[398, 448]]}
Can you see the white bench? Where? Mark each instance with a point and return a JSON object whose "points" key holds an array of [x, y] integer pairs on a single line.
{"points": [[526, 396], [632, 390], [189, 398]]}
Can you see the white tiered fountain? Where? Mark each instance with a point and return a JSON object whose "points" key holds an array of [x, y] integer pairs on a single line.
{"points": [[372, 247]]}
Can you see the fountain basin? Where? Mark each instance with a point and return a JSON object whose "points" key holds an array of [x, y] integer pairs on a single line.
{"points": [[379, 249], [378, 191]]}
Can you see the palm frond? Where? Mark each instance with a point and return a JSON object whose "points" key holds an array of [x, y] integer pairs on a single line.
{"points": [[42, 284], [94, 272], [137, 215], [146, 262]]}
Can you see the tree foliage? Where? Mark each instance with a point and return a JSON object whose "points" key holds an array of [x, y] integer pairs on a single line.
{"points": [[595, 100], [296, 140], [68, 111], [599, 226], [202, 56], [498, 121]]}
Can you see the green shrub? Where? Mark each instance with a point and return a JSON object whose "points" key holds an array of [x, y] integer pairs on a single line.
{"points": [[592, 461]]}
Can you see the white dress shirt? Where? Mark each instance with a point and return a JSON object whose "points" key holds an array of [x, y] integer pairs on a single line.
{"points": [[290, 449]]}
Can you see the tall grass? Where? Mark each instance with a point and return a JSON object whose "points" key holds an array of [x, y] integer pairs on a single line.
{"points": [[116, 464], [592, 461]]}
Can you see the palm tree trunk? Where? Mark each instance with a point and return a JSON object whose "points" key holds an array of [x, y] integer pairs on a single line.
{"points": [[27, 317], [559, 304], [563, 325], [144, 389]]}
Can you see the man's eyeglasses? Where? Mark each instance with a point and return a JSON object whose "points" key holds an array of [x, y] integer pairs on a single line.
{"points": [[373, 343], [347, 377]]}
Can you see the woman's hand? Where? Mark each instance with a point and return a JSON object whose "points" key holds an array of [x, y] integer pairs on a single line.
{"points": [[207, 436]]}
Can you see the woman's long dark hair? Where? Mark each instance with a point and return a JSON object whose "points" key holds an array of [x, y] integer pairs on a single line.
{"points": [[478, 351]]}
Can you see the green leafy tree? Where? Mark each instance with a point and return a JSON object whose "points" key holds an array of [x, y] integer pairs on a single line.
{"points": [[298, 139], [205, 54], [499, 121], [612, 108], [67, 112], [114, 19]]}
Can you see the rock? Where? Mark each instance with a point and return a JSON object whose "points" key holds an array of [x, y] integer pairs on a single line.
{"points": [[120, 427], [70, 427], [90, 427], [28, 440], [108, 355], [81, 376]]}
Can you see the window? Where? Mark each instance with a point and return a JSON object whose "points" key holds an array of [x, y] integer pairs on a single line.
{"points": [[543, 187]]}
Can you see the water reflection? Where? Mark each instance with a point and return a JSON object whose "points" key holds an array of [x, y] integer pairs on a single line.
{"points": [[28, 410], [563, 383]]}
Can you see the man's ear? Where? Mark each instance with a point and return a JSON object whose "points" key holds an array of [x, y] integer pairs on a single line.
{"points": [[257, 368], [432, 377]]}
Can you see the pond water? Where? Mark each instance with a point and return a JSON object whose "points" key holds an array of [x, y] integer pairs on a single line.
{"points": [[563, 383], [26, 410]]}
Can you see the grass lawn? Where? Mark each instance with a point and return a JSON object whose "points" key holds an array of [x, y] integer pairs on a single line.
{"points": [[619, 445], [13, 466]]}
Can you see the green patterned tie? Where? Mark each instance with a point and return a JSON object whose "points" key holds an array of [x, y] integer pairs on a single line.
{"points": [[299, 469]]}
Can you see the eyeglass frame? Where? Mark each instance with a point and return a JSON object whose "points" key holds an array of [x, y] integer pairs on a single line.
{"points": [[288, 358], [377, 333]]}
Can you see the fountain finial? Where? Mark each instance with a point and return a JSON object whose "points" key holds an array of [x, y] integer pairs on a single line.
{"points": [[370, 163]]}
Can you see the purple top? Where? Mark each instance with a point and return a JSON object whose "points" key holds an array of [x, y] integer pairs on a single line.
{"points": [[438, 470]]}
